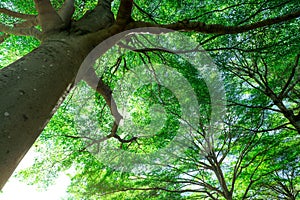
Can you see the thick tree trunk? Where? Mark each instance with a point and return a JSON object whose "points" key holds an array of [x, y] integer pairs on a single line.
{"points": [[31, 90], [33, 87]]}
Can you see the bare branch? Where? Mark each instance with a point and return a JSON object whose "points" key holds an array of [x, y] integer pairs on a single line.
{"points": [[217, 28], [48, 17], [20, 31], [16, 14], [66, 11]]}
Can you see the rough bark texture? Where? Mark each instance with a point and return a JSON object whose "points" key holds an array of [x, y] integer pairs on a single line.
{"points": [[33, 88]]}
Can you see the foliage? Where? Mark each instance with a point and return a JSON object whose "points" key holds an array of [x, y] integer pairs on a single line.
{"points": [[257, 153]]}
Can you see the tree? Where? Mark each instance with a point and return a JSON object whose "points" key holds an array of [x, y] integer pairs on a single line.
{"points": [[35, 85]]}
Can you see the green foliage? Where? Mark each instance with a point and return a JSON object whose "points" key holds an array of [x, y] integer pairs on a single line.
{"points": [[14, 48], [256, 155]]}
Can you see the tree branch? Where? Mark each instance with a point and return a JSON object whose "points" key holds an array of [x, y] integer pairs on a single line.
{"points": [[27, 23], [16, 14], [21, 31], [144, 12], [216, 28], [104, 1], [154, 188], [124, 13], [288, 86], [48, 17], [92, 80], [66, 11], [100, 18], [263, 86]]}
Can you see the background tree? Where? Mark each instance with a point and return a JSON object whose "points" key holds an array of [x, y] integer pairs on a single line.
{"points": [[253, 43]]}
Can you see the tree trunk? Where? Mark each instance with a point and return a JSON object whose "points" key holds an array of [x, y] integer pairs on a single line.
{"points": [[31, 90]]}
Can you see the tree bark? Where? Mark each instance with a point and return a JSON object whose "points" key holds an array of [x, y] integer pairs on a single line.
{"points": [[33, 87], [31, 90]]}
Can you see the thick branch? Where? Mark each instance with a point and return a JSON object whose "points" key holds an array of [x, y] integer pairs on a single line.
{"points": [[105, 2], [99, 18], [124, 13], [20, 31], [48, 17], [284, 110], [92, 80], [217, 28], [66, 11], [16, 14], [28, 23]]}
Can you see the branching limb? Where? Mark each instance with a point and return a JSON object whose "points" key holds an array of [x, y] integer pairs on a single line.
{"points": [[115, 135], [20, 31], [30, 20], [288, 86], [261, 9], [48, 17], [244, 71], [92, 80], [217, 28], [66, 11], [16, 14]]}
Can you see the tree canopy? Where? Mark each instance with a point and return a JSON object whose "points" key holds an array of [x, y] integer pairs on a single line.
{"points": [[249, 50]]}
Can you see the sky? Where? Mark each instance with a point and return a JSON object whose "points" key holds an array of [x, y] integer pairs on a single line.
{"points": [[16, 190]]}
